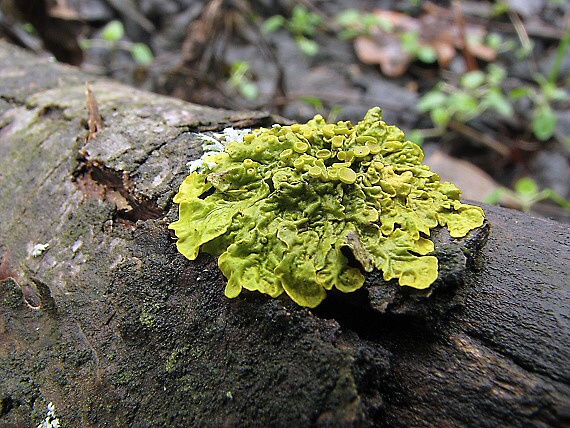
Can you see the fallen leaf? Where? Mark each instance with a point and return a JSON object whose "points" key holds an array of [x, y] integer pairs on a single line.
{"points": [[388, 54], [436, 28], [61, 10], [475, 184]]}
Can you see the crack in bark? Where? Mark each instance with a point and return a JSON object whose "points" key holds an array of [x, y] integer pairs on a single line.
{"points": [[509, 355], [98, 181]]}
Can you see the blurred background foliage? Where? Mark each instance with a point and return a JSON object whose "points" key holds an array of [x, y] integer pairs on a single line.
{"points": [[482, 85]]}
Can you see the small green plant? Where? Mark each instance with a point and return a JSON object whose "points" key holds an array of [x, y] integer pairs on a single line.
{"points": [[142, 54], [240, 80], [543, 119], [476, 93], [416, 136], [353, 23], [303, 26], [113, 31], [111, 39], [29, 28], [410, 43], [318, 106], [315, 102], [526, 194]]}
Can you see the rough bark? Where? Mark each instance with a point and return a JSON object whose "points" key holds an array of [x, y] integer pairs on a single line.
{"points": [[116, 328]]}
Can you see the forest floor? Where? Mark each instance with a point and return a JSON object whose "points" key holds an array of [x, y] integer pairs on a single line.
{"points": [[483, 86]]}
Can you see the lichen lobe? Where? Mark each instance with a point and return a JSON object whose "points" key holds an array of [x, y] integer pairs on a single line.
{"points": [[281, 208]]}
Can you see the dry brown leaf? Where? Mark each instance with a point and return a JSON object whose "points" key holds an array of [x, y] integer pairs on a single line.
{"points": [[59, 9], [436, 28], [482, 51], [475, 184], [393, 62], [445, 52]]}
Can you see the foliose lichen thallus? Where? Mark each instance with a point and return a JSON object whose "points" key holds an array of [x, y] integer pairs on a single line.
{"points": [[279, 208]]}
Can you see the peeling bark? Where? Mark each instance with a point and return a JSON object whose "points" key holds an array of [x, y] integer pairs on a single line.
{"points": [[96, 181], [116, 328]]}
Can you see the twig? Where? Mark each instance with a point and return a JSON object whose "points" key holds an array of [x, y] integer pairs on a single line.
{"points": [[519, 28], [479, 136], [93, 117], [521, 31], [470, 62], [310, 6]]}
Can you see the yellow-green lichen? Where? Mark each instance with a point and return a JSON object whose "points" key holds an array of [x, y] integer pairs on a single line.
{"points": [[279, 207]]}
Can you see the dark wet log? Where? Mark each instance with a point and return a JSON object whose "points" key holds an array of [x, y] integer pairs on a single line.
{"points": [[116, 328]]}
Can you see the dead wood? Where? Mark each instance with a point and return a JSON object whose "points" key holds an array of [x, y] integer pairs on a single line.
{"points": [[100, 315]]}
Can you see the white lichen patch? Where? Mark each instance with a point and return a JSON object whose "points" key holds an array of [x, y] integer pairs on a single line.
{"points": [[77, 245], [215, 144], [51, 420], [39, 249]]}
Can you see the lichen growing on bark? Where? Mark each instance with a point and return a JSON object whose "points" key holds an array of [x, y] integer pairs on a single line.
{"points": [[281, 206]]}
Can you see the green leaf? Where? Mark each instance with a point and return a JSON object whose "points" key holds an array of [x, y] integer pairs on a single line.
{"points": [[524, 51], [113, 31], [463, 103], [500, 8], [427, 54], [273, 23], [84, 44], [334, 113], [415, 136], [249, 90], [238, 72], [518, 93], [409, 42], [526, 187], [351, 23], [28, 28], [493, 41], [303, 22], [494, 99], [307, 46], [370, 20], [348, 17], [551, 92], [495, 74], [556, 198], [432, 100], [494, 197], [558, 94], [142, 54], [440, 117], [543, 122], [348, 34], [472, 79], [314, 102]]}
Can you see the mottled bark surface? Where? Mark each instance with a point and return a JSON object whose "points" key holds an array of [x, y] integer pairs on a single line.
{"points": [[116, 328]]}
